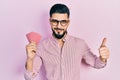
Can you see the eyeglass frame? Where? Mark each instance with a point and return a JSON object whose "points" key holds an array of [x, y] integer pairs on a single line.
{"points": [[59, 21]]}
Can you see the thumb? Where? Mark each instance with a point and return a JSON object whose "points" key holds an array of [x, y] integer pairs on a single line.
{"points": [[104, 42]]}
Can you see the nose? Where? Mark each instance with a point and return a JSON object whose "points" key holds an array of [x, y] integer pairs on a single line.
{"points": [[59, 25]]}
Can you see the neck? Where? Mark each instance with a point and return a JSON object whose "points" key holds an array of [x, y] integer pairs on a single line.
{"points": [[60, 41]]}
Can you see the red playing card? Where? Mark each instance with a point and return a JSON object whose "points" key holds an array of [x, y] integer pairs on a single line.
{"points": [[33, 36]]}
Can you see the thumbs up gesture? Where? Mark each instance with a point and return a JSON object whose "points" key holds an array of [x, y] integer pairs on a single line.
{"points": [[104, 51]]}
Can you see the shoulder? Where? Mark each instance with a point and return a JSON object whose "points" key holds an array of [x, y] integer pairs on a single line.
{"points": [[76, 39], [44, 41], [78, 42]]}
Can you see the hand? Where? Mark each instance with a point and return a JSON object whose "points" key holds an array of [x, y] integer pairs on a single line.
{"points": [[31, 50], [104, 51]]}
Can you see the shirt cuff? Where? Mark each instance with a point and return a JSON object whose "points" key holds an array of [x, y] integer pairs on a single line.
{"points": [[99, 63], [28, 75]]}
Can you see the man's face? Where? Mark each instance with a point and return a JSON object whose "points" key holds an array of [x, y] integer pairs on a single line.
{"points": [[59, 23]]}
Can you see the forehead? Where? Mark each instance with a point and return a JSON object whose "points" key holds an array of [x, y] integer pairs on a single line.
{"points": [[59, 16]]}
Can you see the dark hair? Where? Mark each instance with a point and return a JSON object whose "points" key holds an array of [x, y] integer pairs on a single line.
{"points": [[59, 8]]}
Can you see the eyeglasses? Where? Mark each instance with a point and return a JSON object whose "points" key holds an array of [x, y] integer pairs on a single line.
{"points": [[55, 22]]}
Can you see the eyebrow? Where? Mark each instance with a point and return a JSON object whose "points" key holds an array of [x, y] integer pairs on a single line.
{"points": [[60, 20]]}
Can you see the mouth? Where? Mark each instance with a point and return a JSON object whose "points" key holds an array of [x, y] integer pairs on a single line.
{"points": [[59, 30]]}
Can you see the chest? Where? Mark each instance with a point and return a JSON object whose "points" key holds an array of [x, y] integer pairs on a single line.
{"points": [[68, 53]]}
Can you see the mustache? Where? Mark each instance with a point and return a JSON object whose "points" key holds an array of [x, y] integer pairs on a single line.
{"points": [[58, 29]]}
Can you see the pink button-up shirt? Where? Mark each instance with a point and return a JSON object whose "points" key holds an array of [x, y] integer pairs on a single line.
{"points": [[62, 63]]}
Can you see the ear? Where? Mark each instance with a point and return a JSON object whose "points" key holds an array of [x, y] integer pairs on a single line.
{"points": [[49, 19]]}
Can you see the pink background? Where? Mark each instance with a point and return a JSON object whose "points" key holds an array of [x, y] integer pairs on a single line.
{"points": [[90, 20]]}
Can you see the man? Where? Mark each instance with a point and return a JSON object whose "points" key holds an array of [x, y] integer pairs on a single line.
{"points": [[61, 54]]}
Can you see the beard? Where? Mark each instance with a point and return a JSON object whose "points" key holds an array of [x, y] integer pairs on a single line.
{"points": [[58, 36]]}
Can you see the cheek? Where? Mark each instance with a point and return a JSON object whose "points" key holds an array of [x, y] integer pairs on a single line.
{"points": [[52, 27], [65, 29]]}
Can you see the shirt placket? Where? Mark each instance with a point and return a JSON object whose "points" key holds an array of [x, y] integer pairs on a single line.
{"points": [[62, 64]]}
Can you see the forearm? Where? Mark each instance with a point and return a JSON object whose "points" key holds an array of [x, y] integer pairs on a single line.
{"points": [[93, 60], [32, 68], [29, 65]]}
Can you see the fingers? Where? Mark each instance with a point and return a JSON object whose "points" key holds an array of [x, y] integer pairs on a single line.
{"points": [[31, 50], [104, 56], [31, 46], [104, 52], [104, 42]]}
